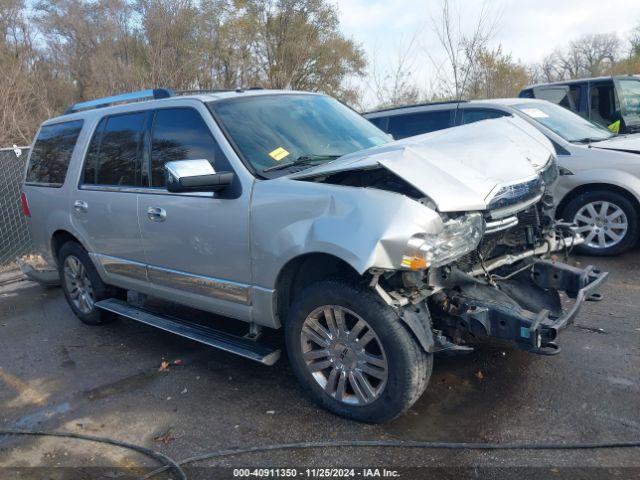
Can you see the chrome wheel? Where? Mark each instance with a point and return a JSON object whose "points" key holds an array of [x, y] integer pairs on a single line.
{"points": [[78, 284], [602, 224], [344, 355]]}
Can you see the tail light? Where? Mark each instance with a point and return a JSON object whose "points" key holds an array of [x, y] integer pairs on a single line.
{"points": [[25, 205]]}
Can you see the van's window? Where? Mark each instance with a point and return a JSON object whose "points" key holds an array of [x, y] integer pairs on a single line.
{"points": [[603, 104], [575, 90], [52, 152], [476, 114], [181, 134], [402, 126], [115, 151]]}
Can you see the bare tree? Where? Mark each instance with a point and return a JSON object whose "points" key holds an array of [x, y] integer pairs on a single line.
{"points": [[587, 56], [461, 48], [395, 85], [595, 53], [24, 73], [550, 69], [298, 44], [91, 48], [496, 75], [634, 42]]}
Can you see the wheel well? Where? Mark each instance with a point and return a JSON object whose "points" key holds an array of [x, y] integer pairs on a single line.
{"points": [[59, 238], [304, 270], [596, 186]]}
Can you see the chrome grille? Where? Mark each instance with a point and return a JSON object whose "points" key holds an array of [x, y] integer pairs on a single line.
{"points": [[517, 193]]}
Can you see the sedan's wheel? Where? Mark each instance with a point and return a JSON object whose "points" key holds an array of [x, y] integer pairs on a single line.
{"points": [[344, 355], [602, 224], [607, 220], [353, 354], [82, 285]]}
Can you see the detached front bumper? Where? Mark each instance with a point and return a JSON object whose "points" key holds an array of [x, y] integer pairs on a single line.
{"points": [[526, 310], [543, 331], [589, 280]]}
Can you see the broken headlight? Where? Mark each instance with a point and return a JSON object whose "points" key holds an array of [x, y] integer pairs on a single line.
{"points": [[458, 237]]}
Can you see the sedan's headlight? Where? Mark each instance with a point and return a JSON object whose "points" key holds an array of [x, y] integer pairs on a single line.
{"points": [[459, 236], [550, 173]]}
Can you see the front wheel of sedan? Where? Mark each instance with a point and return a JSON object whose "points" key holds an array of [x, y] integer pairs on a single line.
{"points": [[607, 220], [352, 354]]}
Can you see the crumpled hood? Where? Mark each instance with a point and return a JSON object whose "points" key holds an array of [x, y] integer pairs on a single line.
{"points": [[459, 168], [622, 143]]}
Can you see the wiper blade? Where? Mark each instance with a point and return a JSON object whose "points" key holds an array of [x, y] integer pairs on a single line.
{"points": [[588, 140], [301, 160]]}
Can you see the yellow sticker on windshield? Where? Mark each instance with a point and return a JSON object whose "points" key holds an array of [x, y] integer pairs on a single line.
{"points": [[278, 154]]}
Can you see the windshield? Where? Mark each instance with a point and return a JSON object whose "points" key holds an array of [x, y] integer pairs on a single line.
{"points": [[272, 130], [629, 97], [571, 127]]}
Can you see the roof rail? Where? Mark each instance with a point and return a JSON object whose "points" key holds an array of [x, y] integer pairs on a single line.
{"points": [[138, 96], [427, 104], [203, 92], [216, 90]]}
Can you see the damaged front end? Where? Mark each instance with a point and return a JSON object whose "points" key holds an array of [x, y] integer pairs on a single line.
{"points": [[508, 286], [481, 260], [525, 308]]}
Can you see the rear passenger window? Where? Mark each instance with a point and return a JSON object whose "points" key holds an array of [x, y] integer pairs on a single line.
{"points": [[180, 134], [402, 126], [477, 114], [378, 122], [114, 153], [51, 153]]}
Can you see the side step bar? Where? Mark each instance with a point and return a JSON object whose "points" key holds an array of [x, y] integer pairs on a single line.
{"points": [[200, 333]]}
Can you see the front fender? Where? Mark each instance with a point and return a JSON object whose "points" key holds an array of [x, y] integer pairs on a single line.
{"points": [[618, 178], [365, 227]]}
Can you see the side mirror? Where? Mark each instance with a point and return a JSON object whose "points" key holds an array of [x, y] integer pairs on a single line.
{"points": [[195, 176]]}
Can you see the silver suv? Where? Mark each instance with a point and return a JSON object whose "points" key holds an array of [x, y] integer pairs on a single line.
{"points": [[287, 210]]}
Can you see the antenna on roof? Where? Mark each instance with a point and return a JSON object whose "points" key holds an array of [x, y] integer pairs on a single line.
{"points": [[131, 97]]}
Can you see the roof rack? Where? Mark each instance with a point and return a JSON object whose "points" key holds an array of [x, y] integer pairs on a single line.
{"points": [[131, 97]]}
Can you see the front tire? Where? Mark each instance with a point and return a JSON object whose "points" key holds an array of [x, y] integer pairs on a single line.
{"points": [[607, 220], [352, 354], [82, 285]]}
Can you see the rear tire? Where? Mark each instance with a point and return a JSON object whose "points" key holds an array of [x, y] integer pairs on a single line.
{"points": [[82, 285], [373, 374], [609, 232]]}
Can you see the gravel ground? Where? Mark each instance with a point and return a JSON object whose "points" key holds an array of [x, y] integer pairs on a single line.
{"points": [[57, 374]]}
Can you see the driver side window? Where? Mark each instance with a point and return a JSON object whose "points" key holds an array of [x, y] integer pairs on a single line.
{"points": [[181, 134]]}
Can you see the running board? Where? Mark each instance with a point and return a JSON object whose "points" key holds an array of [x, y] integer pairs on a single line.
{"points": [[193, 331]]}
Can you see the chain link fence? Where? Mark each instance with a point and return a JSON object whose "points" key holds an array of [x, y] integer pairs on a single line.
{"points": [[14, 235]]}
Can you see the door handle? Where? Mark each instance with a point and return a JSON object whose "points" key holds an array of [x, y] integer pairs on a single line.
{"points": [[156, 214], [80, 206]]}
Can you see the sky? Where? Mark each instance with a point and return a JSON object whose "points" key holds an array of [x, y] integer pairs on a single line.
{"points": [[528, 29]]}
